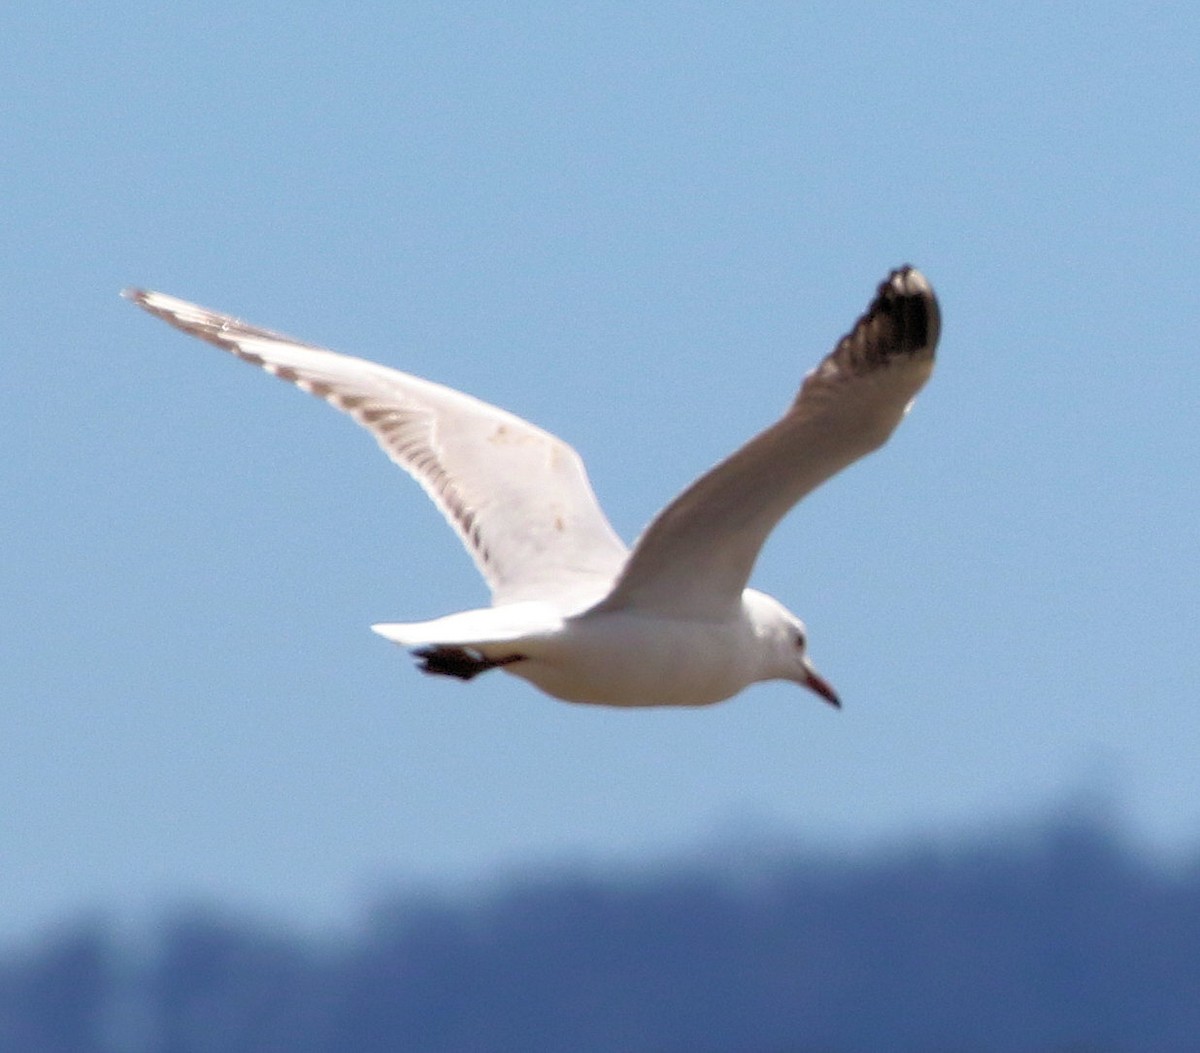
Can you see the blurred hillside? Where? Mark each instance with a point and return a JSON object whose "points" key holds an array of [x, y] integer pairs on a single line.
{"points": [[1054, 938]]}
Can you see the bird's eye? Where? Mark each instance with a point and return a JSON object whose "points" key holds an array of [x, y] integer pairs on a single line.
{"points": [[801, 642]]}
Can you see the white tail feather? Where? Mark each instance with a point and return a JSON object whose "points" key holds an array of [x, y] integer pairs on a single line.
{"points": [[477, 628]]}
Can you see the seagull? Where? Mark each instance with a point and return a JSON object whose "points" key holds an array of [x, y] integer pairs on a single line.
{"points": [[671, 622]]}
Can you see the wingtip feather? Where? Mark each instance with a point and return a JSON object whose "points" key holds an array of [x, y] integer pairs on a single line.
{"points": [[902, 321], [908, 298]]}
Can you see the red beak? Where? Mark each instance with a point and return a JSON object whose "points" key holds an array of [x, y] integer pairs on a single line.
{"points": [[822, 688]]}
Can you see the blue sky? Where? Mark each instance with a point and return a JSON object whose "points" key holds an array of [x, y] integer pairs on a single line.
{"points": [[638, 226]]}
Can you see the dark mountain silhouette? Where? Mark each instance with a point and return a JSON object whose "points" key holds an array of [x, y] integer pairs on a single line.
{"points": [[1057, 940]]}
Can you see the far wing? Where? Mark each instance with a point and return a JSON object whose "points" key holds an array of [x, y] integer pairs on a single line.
{"points": [[518, 497], [696, 556]]}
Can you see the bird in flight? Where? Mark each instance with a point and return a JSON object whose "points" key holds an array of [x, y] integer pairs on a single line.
{"points": [[671, 622]]}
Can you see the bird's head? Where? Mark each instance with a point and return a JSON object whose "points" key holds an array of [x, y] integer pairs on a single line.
{"points": [[786, 645]]}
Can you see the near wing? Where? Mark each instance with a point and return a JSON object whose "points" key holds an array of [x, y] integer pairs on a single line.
{"points": [[518, 496], [695, 557]]}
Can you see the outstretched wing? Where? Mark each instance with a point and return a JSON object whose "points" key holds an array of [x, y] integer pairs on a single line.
{"points": [[695, 557], [518, 496]]}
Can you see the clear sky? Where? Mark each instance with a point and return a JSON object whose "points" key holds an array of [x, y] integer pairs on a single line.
{"points": [[637, 225]]}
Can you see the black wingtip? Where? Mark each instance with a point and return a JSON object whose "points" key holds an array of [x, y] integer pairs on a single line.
{"points": [[906, 298], [902, 321]]}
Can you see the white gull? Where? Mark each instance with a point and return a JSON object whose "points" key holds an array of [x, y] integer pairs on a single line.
{"points": [[670, 623]]}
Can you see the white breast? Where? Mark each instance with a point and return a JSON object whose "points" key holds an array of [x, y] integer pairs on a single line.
{"points": [[623, 659]]}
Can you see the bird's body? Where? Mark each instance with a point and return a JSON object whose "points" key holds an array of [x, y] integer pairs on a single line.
{"points": [[670, 623], [617, 658]]}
